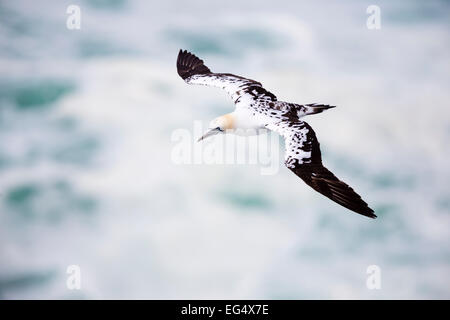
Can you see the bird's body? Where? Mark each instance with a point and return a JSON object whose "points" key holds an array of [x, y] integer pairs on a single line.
{"points": [[241, 121], [258, 108]]}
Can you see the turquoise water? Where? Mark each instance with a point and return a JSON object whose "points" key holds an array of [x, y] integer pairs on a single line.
{"points": [[86, 176]]}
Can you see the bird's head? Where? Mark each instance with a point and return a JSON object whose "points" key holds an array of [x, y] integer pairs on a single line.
{"points": [[219, 125]]}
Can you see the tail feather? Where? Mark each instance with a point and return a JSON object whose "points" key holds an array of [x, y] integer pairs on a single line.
{"points": [[315, 108], [188, 64]]}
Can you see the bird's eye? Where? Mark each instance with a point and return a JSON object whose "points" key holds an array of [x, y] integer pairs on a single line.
{"points": [[220, 129]]}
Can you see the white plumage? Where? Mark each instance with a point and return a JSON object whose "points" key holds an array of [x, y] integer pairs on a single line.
{"points": [[258, 108]]}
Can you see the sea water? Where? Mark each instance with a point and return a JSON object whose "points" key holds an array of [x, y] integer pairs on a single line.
{"points": [[87, 178]]}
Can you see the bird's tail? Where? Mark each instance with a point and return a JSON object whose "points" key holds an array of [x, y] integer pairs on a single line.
{"points": [[313, 108]]}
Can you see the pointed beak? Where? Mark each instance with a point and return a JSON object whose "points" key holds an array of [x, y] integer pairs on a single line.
{"points": [[210, 133]]}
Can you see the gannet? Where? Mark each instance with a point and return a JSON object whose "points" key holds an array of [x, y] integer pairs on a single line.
{"points": [[258, 108]]}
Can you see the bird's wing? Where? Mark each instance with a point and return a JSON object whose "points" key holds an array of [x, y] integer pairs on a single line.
{"points": [[303, 157], [242, 90]]}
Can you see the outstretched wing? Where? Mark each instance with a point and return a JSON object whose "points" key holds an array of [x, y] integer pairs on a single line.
{"points": [[242, 90], [303, 157]]}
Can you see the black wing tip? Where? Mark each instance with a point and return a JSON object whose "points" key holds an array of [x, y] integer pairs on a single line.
{"points": [[325, 182], [357, 205], [189, 64], [372, 215], [368, 213]]}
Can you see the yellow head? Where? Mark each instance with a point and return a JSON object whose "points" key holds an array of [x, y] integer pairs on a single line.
{"points": [[219, 125]]}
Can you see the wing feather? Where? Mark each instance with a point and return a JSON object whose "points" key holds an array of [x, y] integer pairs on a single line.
{"points": [[193, 71], [303, 157]]}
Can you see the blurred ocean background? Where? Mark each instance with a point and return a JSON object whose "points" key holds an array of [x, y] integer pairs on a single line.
{"points": [[86, 176]]}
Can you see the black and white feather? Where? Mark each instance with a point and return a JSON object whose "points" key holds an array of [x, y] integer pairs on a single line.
{"points": [[193, 71], [303, 155]]}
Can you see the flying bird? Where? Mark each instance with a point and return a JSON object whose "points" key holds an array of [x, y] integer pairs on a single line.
{"points": [[258, 108]]}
